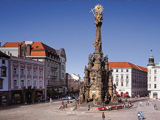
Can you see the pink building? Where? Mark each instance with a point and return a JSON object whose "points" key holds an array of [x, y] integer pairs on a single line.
{"points": [[26, 80]]}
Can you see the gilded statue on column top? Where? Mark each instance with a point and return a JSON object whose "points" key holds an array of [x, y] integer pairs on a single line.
{"points": [[97, 11]]}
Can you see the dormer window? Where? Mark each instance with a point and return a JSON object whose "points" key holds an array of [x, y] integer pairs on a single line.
{"points": [[37, 46]]}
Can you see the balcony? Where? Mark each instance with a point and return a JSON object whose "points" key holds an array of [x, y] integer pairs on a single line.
{"points": [[52, 76], [54, 68]]}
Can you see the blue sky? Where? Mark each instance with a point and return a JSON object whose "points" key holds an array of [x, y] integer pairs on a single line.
{"points": [[130, 28]]}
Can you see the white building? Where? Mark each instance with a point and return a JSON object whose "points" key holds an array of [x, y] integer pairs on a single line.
{"points": [[129, 78], [4, 78], [153, 78]]}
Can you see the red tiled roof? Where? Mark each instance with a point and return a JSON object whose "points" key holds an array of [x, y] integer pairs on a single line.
{"points": [[126, 65], [37, 48], [11, 44], [40, 49]]}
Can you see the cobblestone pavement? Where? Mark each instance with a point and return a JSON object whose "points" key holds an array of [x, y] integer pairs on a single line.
{"points": [[48, 111]]}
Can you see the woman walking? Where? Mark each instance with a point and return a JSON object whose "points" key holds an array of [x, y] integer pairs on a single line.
{"points": [[103, 116]]}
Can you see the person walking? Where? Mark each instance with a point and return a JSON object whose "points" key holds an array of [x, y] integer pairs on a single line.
{"points": [[139, 116], [103, 116], [142, 117]]}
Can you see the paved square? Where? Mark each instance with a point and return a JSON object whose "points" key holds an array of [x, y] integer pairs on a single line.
{"points": [[48, 111]]}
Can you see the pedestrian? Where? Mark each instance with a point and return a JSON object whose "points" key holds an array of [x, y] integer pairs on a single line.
{"points": [[155, 106], [139, 116], [142, 117], [140, 104], [51, 100], [103, 116]]}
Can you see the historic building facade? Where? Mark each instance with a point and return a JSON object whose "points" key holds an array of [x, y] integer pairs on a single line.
{"points": [[153, 78], [4, 78], [73, 83], [27, 82], [129, 78], [54, 62]]}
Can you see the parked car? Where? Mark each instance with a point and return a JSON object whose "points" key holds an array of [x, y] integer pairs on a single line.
{"points": [[67, 98]]}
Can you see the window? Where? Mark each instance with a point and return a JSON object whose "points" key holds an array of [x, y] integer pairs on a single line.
{"points": [[40, 73], [155, 85], [149, 79], [126, 70], [116, 83], [34, 73], [29, 72], [14, 70], [15, 83], [155, 71], [127, 84], [3, 71], [35, 83], [121, 76], [22, 71], [63, 67], [155, 78], [149, 85], [62, 75], [121, 70], [22, 83], [116, 70], [3, 61], [28, 83], [121, 83], [1, 83], [40, 83], [127, 77]]}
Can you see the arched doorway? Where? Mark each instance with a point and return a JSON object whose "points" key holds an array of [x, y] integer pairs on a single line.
{"points": [[29, 97], [155, 95]]}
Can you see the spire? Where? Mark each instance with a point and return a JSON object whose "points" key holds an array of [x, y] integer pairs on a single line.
{"points": [[151, 60]]}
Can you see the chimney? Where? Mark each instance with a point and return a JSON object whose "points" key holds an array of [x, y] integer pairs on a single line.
{"points": [[19, 50], [28, 49]]}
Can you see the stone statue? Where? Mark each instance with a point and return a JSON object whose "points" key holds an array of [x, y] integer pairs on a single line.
{"points": [[86, 71], [90, 58]]}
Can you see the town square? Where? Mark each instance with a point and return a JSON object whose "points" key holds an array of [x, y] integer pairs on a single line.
{"points": [[77, 59]]}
